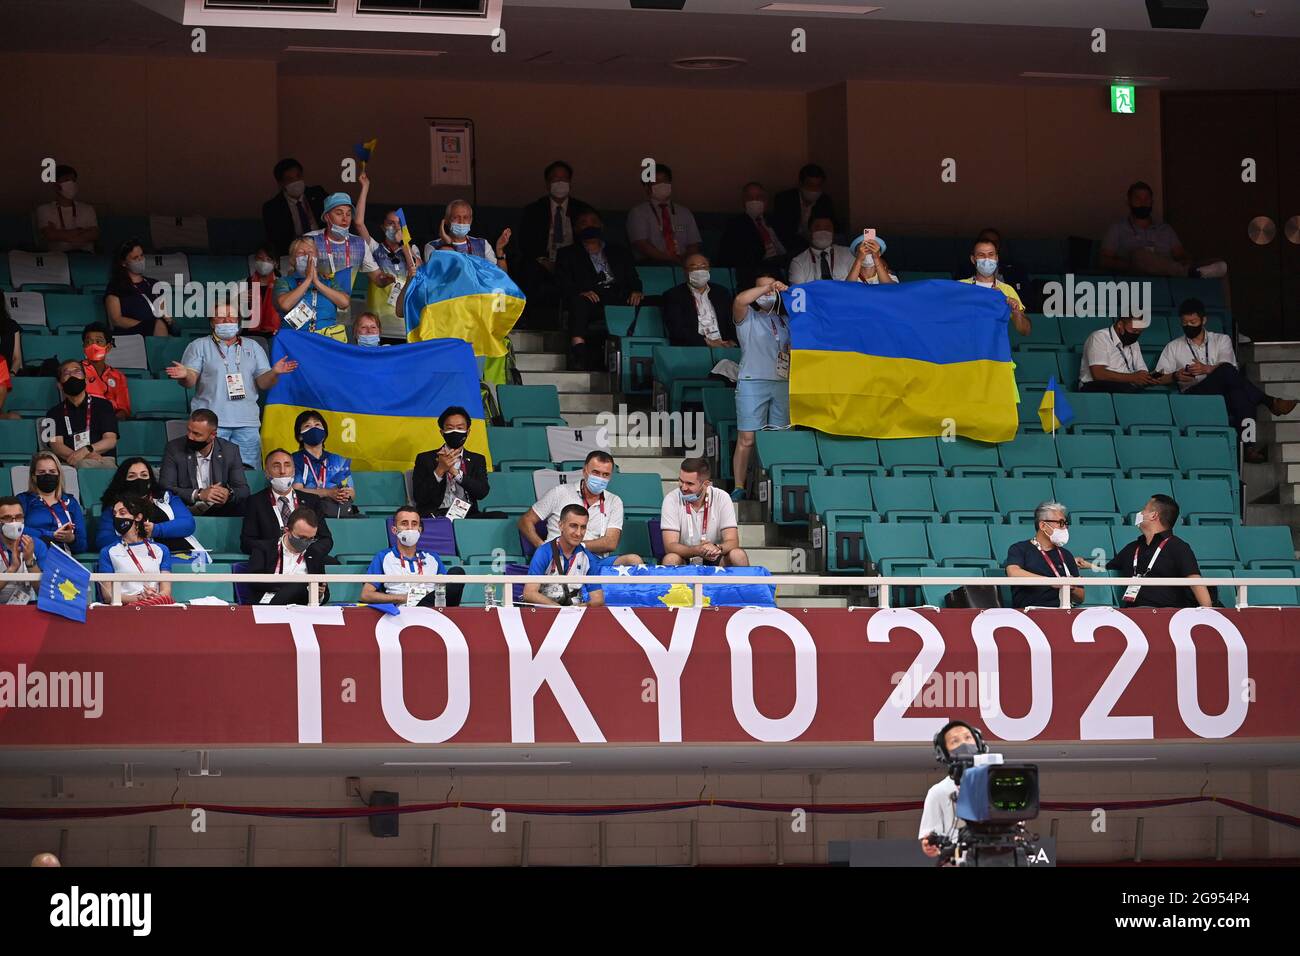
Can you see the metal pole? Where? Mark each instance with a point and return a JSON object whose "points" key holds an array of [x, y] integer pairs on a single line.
{"points": [[433, 846], [884, 596], [1137, 840], [63, 847], [313, 595], [1065, 595], [250, 846], [698, 600], [1241, 595]]}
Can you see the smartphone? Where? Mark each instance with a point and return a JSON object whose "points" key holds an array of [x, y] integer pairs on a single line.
{"points": [[868, 235]]}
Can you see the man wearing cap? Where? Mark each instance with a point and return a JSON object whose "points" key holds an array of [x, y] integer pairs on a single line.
{"points": [[340, 252]]}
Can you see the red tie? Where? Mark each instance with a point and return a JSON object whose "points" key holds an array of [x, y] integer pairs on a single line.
{"points": [[670, 242], [763, 233]]}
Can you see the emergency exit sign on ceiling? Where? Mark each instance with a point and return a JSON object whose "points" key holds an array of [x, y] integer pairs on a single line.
{"points": [[1123, 99]]}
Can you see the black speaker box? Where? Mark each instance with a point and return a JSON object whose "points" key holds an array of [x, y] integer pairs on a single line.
{"points": [[1177, 14], [383, 824]]}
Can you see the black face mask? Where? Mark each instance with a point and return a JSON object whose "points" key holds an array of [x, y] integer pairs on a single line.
{"points": [[74, 386], [1128, 338], [1192, 331], [455, 439], [123, 525], [46, 483], [1140, 212], [140, 487], [195, 445]]}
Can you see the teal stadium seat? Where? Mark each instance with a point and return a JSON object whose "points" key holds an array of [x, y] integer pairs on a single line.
{"points": [[1089, 499], [379, 492], [510, 492], [960, 545], [906, 500], [484, 540], [1030, 456], [845, 455], [1205, 502], [519, 449], [201, 586], [680, 372], [1132, 494], [842, 506], [87, 269], [720, 429], [1094, 414], [1145, 414], [17, 442], [1266, 547], [530, 405], [1146, 456], [642, 494], [656, 280], [1202, 416], [160, 399], [69, 311], [220, 536], [31, 396], [1016, 498], [141, 437], [788, 459], [1088, 456], [346, 592], [965, 500], [965, 458], [910, 456], [359, 539]]}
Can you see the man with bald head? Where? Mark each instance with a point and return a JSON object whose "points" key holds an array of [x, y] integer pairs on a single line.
{"points": [[45, 859]]}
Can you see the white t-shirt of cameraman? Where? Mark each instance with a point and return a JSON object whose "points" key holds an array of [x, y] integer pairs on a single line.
{"points": [[939, 815]]}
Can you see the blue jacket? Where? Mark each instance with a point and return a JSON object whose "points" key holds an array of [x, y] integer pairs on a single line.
{"points": [[306, 470], [42, 521], [181, 526]]}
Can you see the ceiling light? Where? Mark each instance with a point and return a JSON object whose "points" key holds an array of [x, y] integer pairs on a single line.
{"points": [[701, 63], [366, 51], [816, 8]]}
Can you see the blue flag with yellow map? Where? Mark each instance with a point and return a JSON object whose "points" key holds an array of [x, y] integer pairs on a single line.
{"points": [[65, 586], [731, 592]]}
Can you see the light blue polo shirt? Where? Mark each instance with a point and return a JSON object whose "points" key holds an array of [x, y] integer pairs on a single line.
{"points": [[760, 345], [212, 361]]}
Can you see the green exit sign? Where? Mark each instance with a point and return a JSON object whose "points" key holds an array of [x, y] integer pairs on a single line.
{"points": [[1123, 99]]}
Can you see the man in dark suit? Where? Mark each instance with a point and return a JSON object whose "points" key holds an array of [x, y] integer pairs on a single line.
{"points": [[267, 511], [697, 312], [293, 553], [794, 209], [547, 226], [593, 274], [205, 471], [451, 478], [294, 211], [750, 243]]}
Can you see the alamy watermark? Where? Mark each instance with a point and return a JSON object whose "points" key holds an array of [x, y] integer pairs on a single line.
{"points": [[637, 429], [1091, 299]]}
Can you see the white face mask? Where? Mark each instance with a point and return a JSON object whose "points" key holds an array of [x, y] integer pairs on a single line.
{"points": [[1137, 518], [68, 189], [821, 239], [754, 208], [295, 190], [810, 196], [263, 267], [12, 530], [868, 260], [282, 485], [559, 190], [661, 191], [1060, 537], [698, 278], [766, 300], [408, 538]]}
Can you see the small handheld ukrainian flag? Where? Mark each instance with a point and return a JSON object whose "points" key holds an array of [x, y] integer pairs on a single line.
{"points": [[65, 586], [363, 151], [406, 233], [1054, 411]]}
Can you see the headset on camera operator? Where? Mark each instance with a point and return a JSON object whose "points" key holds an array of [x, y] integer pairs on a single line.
{"points": [[939, 815]]}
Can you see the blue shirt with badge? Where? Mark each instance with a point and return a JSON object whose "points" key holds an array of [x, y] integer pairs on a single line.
{"points": [[763, 337], [581, 561], [213, 361]]}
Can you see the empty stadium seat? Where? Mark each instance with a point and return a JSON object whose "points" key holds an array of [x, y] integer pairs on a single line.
{"points": [[31, 396], [141, 437], [519, 449], [656, 280], [357, 538], [485, 540], [1205, 502], [898, 549], [530, 405], [1003, 536], [93, 483], [680, 372], [1035, 368], [845, 455], [200, 586], [1132, 494], [841, 505], [910, 456], [1212, 544], [1146, 456], [619, 319], [1088, 456], [1044, 333], [788, 459], [1094, 414], [1202, 416], [379, 492], [1030, 456], [642, 494], [1272, 595], [346, 592], [903, 500], [1266, 547], [220, 536], [67, 312], [17, 442], [510, 492], [1098, 540], [960, 545], [1145, 414], [63, 348], [965, 500], [965, 458], [720, 429], [1018, 497], [1090, 500], [1204, 458], [160, 399]]}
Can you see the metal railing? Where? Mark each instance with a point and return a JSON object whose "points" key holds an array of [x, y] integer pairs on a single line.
{"points": [[884, 584]]}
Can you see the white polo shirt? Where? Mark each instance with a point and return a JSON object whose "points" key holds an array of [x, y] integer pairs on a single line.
{"points": [[605, 513], [121, 558], [1104, 348], [700, 521], [392, 562], [939, 815], [645, 223], [80, 215], [1215, 350]]}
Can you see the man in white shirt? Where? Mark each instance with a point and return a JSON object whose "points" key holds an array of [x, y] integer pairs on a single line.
{"points": [[662, 232], [1113, 362], [604, 511], [822, 259], [66, 225], [698, 521], [1204, 363], [939, 814]]}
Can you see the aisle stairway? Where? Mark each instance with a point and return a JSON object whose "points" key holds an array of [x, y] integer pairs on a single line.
{"points": [[1273, 488]]}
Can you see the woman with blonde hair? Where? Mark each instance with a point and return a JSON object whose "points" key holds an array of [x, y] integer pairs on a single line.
{"points": [[49, 514]]}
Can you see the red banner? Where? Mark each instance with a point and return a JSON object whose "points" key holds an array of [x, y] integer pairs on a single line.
{"points": [[266, 675]]}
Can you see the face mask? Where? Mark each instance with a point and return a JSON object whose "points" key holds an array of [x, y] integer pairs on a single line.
{"points": [[193, 444], [391, 233], [986, 267], [868, 260], [821, 239], [313, 436], [1192, 331], [754, 208], [139, 487], [96, 353], [74, 386], [264, 268], [661, 191], [300, 264], [1060, 537], [592, 234], [1137, 519], [338, 232], [559, 190], [295, 190], [963, 750], [123, 525], [460, 229], [596, 484], [226, 330], [810, 196], [1140, 212], [46, 483], [408, 538], [68, 189], [454, 439], [1128, 338], [368, 340], [12, 530], [699, 278], [282, 484], [765, 300], [694, 496], [136, 267], [300, 544]]}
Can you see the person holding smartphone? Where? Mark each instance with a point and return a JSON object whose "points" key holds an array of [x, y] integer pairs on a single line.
{"points": [[869, 263], [50, 515]]}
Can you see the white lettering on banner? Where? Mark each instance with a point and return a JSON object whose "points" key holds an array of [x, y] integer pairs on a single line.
{"points": [[1189, 703], [388, 634], [1097, 722], [302, 623], [667, 662], [529, 672], [1040, 673], [754, 723], [890, 724]]}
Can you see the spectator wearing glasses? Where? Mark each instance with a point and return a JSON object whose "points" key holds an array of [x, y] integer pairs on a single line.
{"points": [[66, 225], [20, 553], [1044, 556], [661, 231]]}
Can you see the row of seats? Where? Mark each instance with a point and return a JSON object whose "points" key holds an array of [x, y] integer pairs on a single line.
{"points": [[1049, 333], [1166, 292], [159, 353], [1144, 413]]}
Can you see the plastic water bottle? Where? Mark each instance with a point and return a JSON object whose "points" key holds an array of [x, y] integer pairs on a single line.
{"points": [[440, 595], [490, 595], [200, 562]]}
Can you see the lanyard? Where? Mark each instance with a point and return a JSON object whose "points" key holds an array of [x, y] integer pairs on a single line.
{"points": [[416, 563], [309, 471], [1061, 557], [600, 497], [239, 353], [704, 529], [279, 559], [58, 207], [1123, 350], [1152, 563], [67, 422], [347, 250], [559, 564], [1203, 361], [67, 515], [131, 554]]}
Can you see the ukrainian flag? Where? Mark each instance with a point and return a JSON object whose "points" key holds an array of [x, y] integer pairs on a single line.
{"points": [[381, 404], [901, 361], [455, 296], [1054, 411]]}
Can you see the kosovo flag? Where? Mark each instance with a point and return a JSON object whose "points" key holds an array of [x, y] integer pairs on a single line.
{"points": [[1054, 411], [65, 586], [729, 594]]}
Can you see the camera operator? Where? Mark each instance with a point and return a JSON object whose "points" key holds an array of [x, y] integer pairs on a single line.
{"points": [[939, 815]]}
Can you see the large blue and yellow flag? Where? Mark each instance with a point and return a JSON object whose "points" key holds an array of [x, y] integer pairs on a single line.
{"points": [[455, 296], [901, 361], [381, 404]]}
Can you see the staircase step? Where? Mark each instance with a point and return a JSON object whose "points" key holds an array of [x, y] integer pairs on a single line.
{"points": [[526, 341], [1286, 430], [1292, 474], [581, 382], [1264, 353], [776, 560], [581, 419], [540, 361], [749, 511], [1289, 451], [1279, 372], [1287, 390], [781, 601], [585, 402], [753, 535]]}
